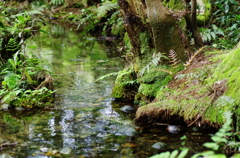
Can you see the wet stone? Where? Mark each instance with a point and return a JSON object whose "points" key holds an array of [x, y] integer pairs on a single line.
{"points": [[159, 145], [5, 107], [5, 156], [128, 131], [44, 149], [127, 109], [66, 151]]}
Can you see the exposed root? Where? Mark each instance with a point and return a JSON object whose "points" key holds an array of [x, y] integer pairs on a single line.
{"points": [[48, 83]]}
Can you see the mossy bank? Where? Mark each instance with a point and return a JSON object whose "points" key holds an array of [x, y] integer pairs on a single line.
{"points": [[199, 94]]}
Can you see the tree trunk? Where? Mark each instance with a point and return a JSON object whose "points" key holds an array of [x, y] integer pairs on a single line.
{"points": [[196, 35], [165, 32], [152, 18]]}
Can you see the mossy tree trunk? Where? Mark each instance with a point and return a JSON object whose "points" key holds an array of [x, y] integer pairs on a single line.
{"points": [[196, 35], [164, 28], [151, 18]]}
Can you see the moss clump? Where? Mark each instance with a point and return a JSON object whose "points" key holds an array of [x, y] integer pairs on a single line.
{"points": [[204, 17], [229, 69], [125, 85], [174, 4]]}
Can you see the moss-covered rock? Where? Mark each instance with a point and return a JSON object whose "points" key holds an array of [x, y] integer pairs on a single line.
{"points": [[200, 94], [125, 85]]}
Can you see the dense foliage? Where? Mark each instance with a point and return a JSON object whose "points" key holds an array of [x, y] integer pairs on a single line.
{"points": [[223, 29], [24, 82]]}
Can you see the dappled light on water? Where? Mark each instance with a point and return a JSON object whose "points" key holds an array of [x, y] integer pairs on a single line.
{"points": [[86, 122]]}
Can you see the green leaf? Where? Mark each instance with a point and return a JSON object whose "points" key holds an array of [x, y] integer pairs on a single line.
{"points": [[183, 153], [162, 155], [219, 139], [217, 156], [233, 2], [213, 35], [44, 32], [174, 154], [211, 145], [226, 8]]}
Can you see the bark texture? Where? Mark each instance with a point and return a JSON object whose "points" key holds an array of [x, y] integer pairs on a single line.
{"points": [[152, 18], [165, 32], [196, 35]]}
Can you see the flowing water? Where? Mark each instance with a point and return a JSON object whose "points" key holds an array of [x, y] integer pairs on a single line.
{"points": [[86, 122]]}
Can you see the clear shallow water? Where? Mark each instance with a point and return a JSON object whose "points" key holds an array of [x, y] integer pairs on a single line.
{"points": [[86, 121]]}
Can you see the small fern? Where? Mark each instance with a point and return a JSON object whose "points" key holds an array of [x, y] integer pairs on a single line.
{"points": [[12, 45], [173, 59], [156, 59], [210, 34], [27, 13], [174, 154], [107, 75], [225, 100], [57, 2], [105, 7]]}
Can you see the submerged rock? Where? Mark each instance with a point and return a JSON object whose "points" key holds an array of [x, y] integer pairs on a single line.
{"points": [[44, 149], [127, 109], [5, 156], [66, 151], [128, 131], [174, 129], [159, 145]]}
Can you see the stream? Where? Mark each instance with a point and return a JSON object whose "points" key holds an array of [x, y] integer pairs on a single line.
{"points": [[85, 122]]}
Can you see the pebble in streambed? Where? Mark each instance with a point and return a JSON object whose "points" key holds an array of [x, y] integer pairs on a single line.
{"points": [[127, 109]]}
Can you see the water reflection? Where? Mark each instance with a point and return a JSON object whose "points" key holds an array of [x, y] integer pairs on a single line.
{"points": [[85, 122]]}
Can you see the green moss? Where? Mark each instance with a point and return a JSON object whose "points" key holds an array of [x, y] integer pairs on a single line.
{"points": [[118, 91], [144, 39], [174, 4], [127, 41], [152, 82], [125, 85], [229, 69], [205, 17]]}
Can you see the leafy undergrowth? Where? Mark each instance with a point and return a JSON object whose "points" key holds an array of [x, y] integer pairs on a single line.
{"points": [[200, 94]]}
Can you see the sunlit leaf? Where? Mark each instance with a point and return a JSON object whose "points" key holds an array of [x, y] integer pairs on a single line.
{"points": [[219, 139], [162, 155], [211, 145], [174, 154], [226, 8], [183, 153]]}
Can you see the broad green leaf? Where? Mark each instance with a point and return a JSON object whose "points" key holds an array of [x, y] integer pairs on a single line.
{"points": [[162, 155], [226, 8], [217, 156], [209, 37], [233, 2], [183, 153], [174, 154], [211, 145], [219, 139], [213, 35]]}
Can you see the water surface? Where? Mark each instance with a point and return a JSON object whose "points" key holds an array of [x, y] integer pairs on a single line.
{"points": [[86, 122]]}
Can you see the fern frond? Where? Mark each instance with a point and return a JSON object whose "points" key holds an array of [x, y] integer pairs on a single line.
{"points": [[107, 75], [173, 57], [57, 2], [156, 59], [27, 13], [225, 100], [105, 7]]}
